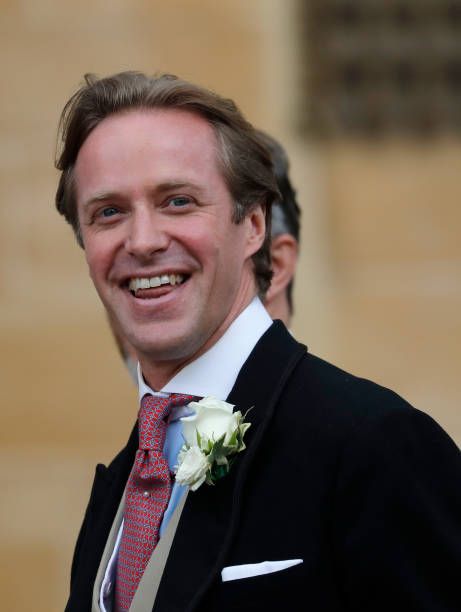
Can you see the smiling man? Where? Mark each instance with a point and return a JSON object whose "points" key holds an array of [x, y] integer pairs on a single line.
{"points": [[285, 234], [340, 497]]}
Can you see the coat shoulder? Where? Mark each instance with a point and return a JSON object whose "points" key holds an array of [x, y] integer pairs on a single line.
{"points": [[338, 401]]}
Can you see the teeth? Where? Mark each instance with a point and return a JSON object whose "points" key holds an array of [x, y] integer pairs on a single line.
{"points": [[155, 281]]}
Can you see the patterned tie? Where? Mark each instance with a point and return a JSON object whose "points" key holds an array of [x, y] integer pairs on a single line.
{"points": [[147, 495]]}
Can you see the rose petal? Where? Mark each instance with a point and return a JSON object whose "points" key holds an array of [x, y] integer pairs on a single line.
{"points": [[212, 403], [192, 468]]}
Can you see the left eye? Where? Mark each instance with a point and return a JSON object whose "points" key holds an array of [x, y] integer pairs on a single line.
{"points": [[179, 201], [109, 211]]}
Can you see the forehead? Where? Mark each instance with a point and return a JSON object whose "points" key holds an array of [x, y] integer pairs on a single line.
{"points": [[173, 126], [159, 142]]}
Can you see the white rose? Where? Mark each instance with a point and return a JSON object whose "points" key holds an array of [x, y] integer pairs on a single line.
{"points": [[193, 467], [213, 418]]}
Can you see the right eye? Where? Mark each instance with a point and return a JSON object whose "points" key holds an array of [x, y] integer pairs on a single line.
{"points": [[109, 211]]}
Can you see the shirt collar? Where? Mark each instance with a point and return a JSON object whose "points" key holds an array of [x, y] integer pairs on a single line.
{"points": [[215, 372]]}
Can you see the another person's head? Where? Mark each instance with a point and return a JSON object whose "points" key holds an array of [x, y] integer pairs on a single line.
{"points": [[168, 189], [285, 236]]}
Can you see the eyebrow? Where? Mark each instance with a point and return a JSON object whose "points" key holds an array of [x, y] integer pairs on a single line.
{"points": [[102, 197], [169, 185]]}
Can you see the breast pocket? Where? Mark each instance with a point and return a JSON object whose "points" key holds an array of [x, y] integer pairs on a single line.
{"points": [[277, 590]]}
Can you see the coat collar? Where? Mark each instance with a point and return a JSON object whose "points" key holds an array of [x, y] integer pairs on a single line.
{"points": [[211, 514]]}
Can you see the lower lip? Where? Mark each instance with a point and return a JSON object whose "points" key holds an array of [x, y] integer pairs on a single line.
{"points": [[154, 292], [156, 297]]}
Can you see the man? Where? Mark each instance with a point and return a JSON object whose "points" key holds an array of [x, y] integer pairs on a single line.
{"points": [[345, 497], [283, 252]]}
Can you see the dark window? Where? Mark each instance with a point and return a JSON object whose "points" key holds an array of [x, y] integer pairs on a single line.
{"points": [[380, 66]]}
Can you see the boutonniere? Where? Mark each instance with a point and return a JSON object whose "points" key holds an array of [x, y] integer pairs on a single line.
{"points": [[212, 438]]}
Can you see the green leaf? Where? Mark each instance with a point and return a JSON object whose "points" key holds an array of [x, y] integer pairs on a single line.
{"points": [[234, 438], [218, 471], [244, 428]]}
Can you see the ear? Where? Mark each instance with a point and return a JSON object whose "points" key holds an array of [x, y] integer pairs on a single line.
{"points": [[284, 256], [255, 222]]}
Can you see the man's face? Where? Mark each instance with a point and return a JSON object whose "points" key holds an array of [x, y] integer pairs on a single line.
{"points": [[155, 214]]}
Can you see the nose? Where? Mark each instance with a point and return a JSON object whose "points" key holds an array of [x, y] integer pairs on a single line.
{"points": [[146, 234]]}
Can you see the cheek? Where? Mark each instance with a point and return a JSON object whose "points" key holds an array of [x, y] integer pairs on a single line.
{"points": [[230, 257], [234, 246], [96, 259], [204, 243]]}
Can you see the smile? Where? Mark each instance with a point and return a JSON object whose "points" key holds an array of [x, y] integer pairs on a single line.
{"points": [[136, 284]]}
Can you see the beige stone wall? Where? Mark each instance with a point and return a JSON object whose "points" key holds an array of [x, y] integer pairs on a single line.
{"points": [[390, 290], [378, 287]]}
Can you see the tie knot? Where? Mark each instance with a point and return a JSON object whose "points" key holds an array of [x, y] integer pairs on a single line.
{"points": [[153, 415]]}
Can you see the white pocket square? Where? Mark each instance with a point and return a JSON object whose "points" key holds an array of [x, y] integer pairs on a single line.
{"points": [[236, 572]]}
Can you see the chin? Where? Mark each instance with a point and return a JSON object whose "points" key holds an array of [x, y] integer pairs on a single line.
{"points": [[162, 349]]}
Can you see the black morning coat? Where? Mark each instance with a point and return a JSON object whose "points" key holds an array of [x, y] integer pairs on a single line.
{"points": [[338, 471]]}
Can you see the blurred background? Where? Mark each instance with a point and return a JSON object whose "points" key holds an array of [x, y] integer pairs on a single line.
{"points": [[366, 97]]}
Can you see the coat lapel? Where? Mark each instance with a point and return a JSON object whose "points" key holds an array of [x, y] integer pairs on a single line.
{"points": [[211, 514]]}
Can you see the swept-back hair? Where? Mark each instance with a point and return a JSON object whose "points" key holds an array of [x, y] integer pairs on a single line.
{"points": [[243, 159]]}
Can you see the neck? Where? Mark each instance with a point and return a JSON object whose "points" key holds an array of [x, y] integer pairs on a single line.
{"points": [[158, 373]]}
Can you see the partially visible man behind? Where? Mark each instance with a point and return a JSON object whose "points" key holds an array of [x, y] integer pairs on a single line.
{"points": [[285, 227], [344, 497]]}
